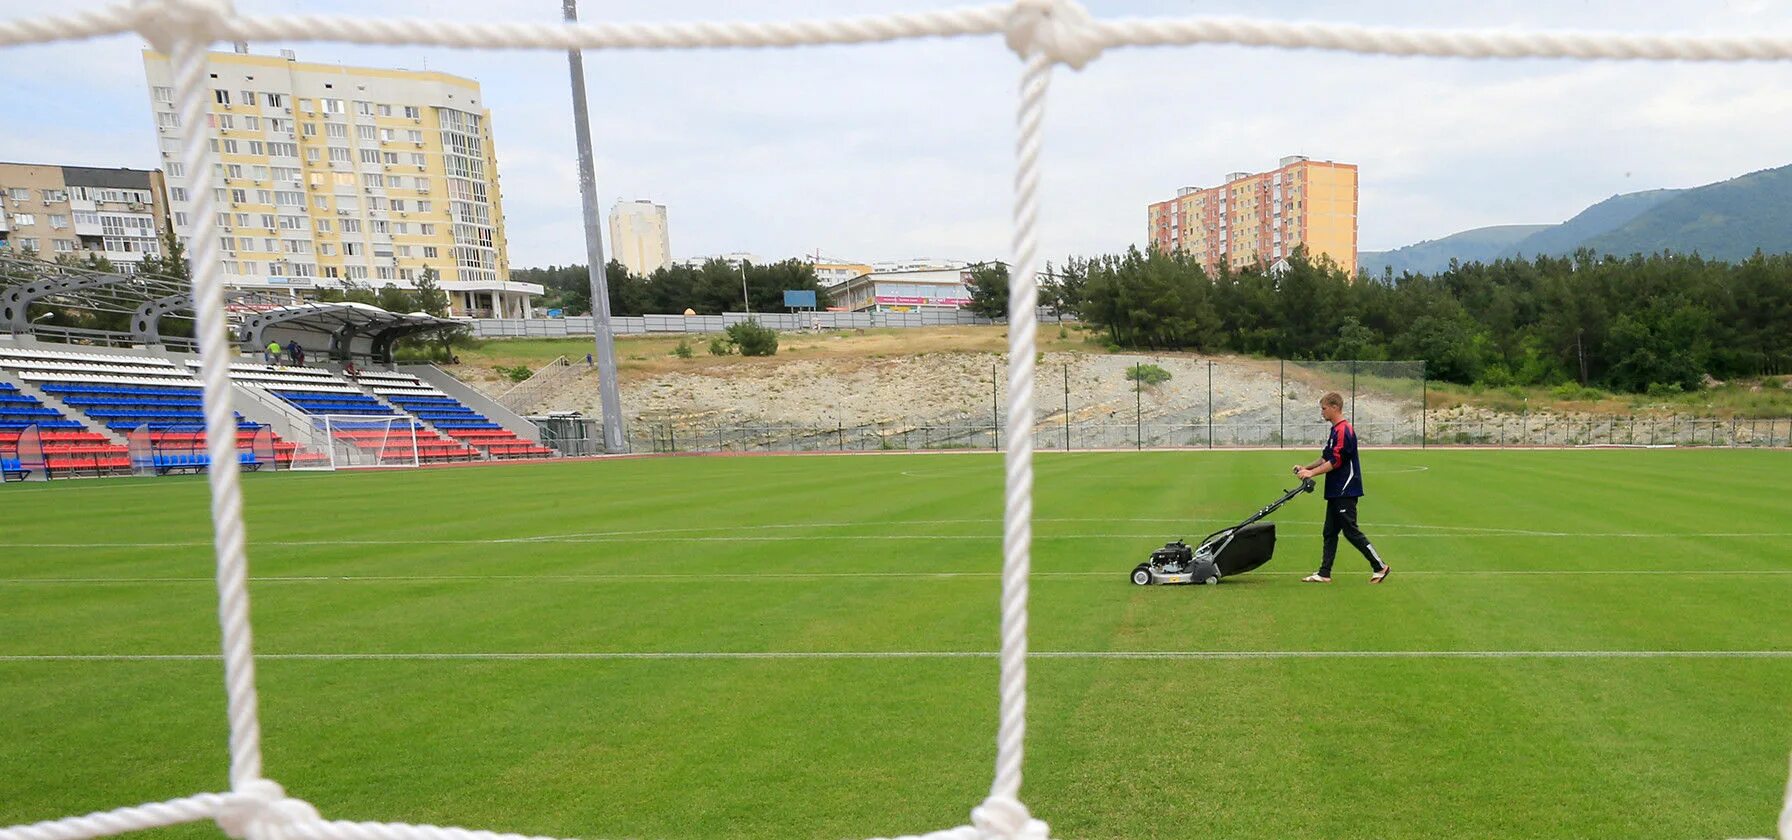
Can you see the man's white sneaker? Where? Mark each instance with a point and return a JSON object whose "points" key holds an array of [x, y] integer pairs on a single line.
{"points": [[1381, 575], [1315, 578]]}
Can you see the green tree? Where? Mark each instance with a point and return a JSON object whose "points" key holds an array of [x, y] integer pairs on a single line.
{"points": [[431, 300], [989, 290], [172, 262]]}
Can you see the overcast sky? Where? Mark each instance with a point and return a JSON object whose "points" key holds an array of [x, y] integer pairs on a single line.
{"points": [[904, 150]]}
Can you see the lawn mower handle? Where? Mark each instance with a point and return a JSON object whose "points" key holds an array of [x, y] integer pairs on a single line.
{"points": [[1306, 486]]}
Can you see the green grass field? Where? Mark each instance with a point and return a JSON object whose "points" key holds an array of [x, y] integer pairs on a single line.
{"points": [[1619, 557]]}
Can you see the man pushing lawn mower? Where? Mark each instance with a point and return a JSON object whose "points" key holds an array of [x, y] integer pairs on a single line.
{"points": [[1343, 487]]}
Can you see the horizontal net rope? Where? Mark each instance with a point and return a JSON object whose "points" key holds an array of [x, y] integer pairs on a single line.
{"points": [[1041, 32], [1069, 28], [188, 809]]}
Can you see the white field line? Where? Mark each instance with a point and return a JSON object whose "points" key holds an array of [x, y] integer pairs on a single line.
{"points": [[915, 654], [770, 577], [731, 533], [1383, 531]]}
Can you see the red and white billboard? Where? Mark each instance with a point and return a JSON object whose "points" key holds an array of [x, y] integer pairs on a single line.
{"points": [[921, 301]]}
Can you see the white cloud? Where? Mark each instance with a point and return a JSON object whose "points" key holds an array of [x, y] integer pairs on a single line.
{"points": [[905, 149]]}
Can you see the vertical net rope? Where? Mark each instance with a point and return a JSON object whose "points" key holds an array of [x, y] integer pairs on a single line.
{"points": [[1041, 32]]}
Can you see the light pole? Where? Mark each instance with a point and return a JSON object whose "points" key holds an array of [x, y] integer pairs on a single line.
{"points": [[744, 299], [610, 396]]}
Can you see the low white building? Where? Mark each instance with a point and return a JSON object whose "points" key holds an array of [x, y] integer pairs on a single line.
{"points": [[905, 291]]}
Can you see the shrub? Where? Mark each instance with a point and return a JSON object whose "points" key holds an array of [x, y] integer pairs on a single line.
{"points": [[720, 346], [1572, 391], [514, 374], [753, 339], [1665, 389], [683, 350], [1147, 374]]}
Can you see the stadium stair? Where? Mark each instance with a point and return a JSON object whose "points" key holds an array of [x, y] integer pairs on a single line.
{"points": [[449, 416]]}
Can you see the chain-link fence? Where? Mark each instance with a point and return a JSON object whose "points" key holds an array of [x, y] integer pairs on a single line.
{"points": [[1103, 402], [1170, 402]]}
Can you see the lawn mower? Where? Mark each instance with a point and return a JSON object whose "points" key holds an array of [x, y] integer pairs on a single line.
{"points": [[1224, 553]]}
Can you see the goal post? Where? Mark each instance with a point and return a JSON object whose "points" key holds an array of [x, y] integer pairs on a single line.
{"points": [[359, 441]]}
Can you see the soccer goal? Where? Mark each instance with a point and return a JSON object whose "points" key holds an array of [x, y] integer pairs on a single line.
{"points": [[357, 441]]}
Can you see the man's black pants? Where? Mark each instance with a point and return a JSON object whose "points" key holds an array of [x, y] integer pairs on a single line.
{"points": [[1340, 518]]}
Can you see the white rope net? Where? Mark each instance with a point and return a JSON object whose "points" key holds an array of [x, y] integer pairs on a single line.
{"points": [[1041, 32]]}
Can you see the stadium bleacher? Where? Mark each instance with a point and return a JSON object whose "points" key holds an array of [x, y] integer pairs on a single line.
{"points": [[123, 393], [68, 447], [154, 399], [318, 392], [450, 416]]}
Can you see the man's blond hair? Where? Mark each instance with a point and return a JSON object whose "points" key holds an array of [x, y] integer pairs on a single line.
{"points": [[1333, 399]]}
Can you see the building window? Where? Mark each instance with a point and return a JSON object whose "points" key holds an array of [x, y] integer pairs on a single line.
{"points": [[427, 230], [364, 108], [370, 156], [385, 110], [424, 206], [178, 193], [58, 222], [352, 249], [336, 131], [24, 219], [338, 154], [221, 96], [429, 252], [164, 94], [275, 100], [168, 119], [332, 106], [413, 112], [64, 246], [230, 147], [350, 226], [367, 132], [310, 129]]}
